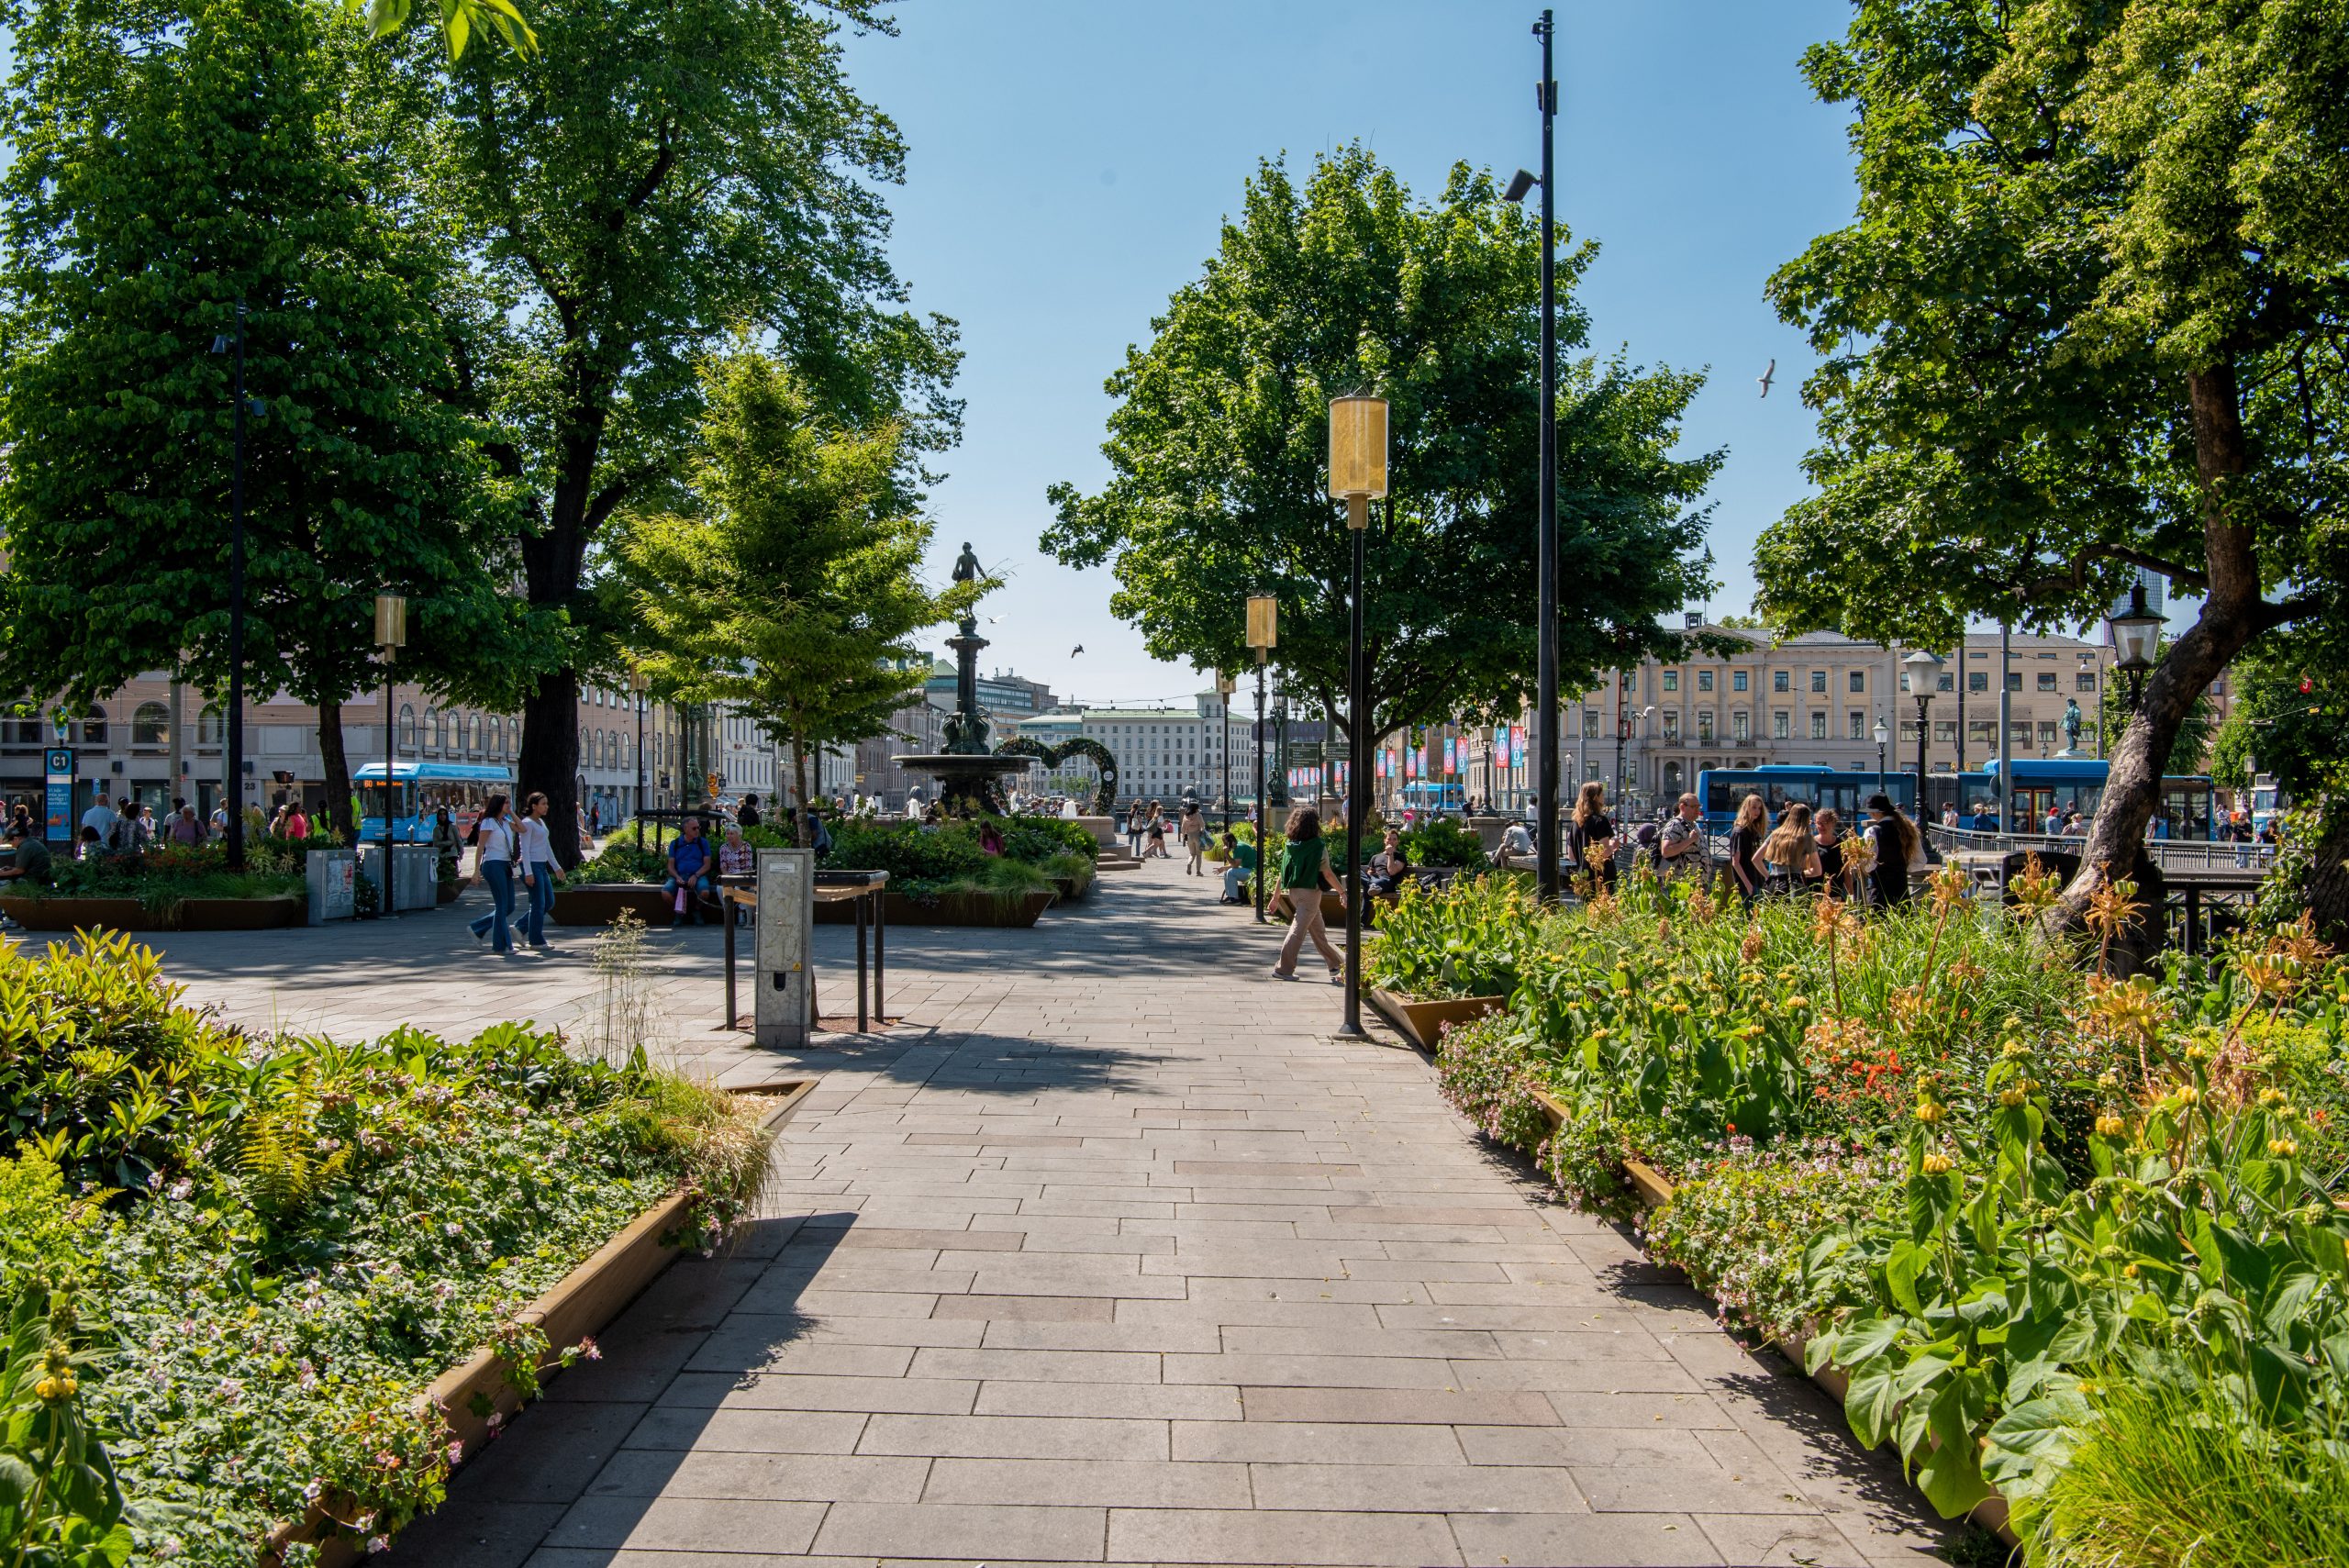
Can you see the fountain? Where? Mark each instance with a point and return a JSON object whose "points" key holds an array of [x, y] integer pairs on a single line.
{"points": [[965, 768]]}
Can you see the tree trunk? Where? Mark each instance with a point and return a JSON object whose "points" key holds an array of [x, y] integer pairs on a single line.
{"points": [[806, 836], [2232, 614], [550, 757], [335, 765], [2325, 890]]}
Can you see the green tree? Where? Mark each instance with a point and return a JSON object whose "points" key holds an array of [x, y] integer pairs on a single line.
{"points": [[666, 179], [2086, 321], [170, 161], [789, 584], [1218, 453]]}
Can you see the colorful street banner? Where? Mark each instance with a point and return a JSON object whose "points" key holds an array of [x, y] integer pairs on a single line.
{"points": [[1411, 764], [1451, 756], [1517, 745], [1378, 768]]}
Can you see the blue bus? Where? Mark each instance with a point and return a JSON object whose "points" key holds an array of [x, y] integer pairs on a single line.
{"points": [[420, 789], [1444, 799], [1721, 791], [2187, 808]]}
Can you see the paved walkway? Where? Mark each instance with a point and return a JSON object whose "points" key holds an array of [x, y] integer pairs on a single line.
{"points": [[1113, 1253]]}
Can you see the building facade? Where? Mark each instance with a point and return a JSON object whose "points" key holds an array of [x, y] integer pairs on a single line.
{"points": [[1163, 753]]}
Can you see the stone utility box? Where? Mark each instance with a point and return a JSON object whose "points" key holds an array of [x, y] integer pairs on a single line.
{"points": [[783, 1012], [333, 876]]}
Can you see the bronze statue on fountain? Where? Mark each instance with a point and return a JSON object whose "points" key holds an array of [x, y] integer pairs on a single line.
{"points": [[966, 770]]}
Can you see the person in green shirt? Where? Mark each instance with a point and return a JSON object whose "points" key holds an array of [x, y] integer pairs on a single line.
{"points": [[1239, 861], [31, 860], [1305, 869]]}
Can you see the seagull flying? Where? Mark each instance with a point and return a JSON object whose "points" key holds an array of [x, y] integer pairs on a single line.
{"points": [[995, 620], [1766, 376], [1076, 650]]}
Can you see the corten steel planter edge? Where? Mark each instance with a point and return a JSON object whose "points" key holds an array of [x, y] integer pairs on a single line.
{"points": [[1422, 1022], [583, 1302]]}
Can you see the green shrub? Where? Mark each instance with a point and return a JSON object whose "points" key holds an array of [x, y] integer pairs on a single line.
{"points": [[1474, 937], [1487, 1070], [1440, 841], [621, 861]]}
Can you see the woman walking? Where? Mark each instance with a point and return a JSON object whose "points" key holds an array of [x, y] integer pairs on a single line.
{"points": [[1305, 870], [1134, 820], [493, 864], [540, 870], [1791, 853], [1745, 836], [1591, 837], [1899, 852], [1154, 834], [1195, 838]]}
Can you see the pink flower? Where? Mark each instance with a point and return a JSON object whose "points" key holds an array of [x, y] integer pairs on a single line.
{"points": [[590, 1348], [456, 1452]]}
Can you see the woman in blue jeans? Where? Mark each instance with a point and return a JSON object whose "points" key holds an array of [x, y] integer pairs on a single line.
{"points": [[534, 853], [494, 848]]}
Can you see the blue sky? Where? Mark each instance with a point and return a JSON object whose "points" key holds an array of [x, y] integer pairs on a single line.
{"points": [[1070, 164]]}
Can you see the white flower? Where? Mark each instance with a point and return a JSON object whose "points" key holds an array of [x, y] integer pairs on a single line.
{"points": [[315, 1489], [306, 1376], [456, 1452], [154, 1181], [180, 1189], [378, 1543], [229, 1390], [453, 1228]]}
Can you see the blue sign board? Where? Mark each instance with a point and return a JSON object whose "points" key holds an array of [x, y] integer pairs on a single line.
{"points": [[57, 814]]}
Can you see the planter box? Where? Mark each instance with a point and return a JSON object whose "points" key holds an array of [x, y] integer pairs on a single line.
{"points": [[128, 915], [601, 903], [951, 909], [1071, 889], [580, 1304], [1423, 1021], [446, 891], [1655, 1193]]}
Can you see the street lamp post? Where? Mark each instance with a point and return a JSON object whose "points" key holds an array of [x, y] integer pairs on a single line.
{"points": [[637, 685], [1883, 733], [391, 636], [1922, 667], [1545, 765], [1358, 475], [235, 790], [1224, 684], [2137, 635], [1263, 618]]}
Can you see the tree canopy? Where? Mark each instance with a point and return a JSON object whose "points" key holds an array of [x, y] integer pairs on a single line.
{"points": [[2085, 320], [171, 162], [1218, 453], [663, 180], [789, 586]]}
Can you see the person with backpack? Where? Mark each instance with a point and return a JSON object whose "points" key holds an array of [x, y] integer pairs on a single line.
{"points": [[1900, 854]]}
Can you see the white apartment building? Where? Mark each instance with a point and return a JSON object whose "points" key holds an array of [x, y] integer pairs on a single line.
{"points": [[1163, 753]]}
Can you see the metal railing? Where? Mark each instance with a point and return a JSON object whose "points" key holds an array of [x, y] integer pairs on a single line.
{"points": [[2170, 854]]}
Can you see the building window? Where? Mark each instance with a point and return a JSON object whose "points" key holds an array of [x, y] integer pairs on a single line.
{"points": [[1590, 724], [2046, 734], [2014, 680], [1859, 680], [1819, 724], [150, 725], [1738, 728], [2048, 680], [1778, 722], [1944, 682], [2019, 734], [94, 727], [1671, 679], [1981, 732], [1819, 680], [1977, 680], [1858, 720], [15, 731], [1705, 725], [1704, 679], [1737, 680], [2085, 681], [208, 727], [1908, 732], [1672, 724], [1780, 680], [1944, 732]]}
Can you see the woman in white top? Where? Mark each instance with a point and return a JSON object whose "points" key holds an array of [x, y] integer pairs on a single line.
{"points": [[494, 843], [540, 870]]}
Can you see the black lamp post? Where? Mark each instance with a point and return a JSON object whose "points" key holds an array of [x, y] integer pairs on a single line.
{"points": [[636, 685], [1224, 684], [1883, 733], [391, 635], [2137, 636], [1545, 763], [1358, 476], [224, 344], [1264, 616], [1922, 667]]}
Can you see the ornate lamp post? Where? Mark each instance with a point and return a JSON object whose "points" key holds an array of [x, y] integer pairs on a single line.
{"points": [[2137, 635], [1922, 668], [1883, 740], [1224, 684], [1264, 625], [1358, 476], [391, 636]]}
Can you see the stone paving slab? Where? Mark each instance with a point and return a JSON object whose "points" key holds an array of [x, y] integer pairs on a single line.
{"points": [[1112, 1253]]}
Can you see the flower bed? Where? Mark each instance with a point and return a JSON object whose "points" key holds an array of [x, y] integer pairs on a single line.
{"points": [[2002, 1197], [1447, 956], [169, 888], [279, 1246]]}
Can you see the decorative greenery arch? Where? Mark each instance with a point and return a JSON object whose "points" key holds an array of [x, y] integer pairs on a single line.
{"points": [[1105, 799]]}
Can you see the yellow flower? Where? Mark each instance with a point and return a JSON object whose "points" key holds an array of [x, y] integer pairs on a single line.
{"points": [[2282, 1148], [2271, 1096], [1928, 1112], [2187, 1094], [2012, 1095], [2111, 1127], [1797, 1001], [48, 1389], [1936, 1164]]}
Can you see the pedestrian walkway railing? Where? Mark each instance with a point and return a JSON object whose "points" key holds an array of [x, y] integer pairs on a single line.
{"points": [[2170, 854]]}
